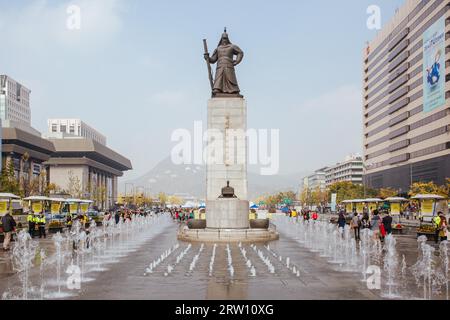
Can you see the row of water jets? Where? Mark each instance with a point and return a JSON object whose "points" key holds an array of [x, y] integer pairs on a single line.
{"points": [[76, 255], [268, 259], [370, 257]]}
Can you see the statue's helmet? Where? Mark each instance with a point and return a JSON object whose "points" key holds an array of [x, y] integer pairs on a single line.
{"points": [[224, 37]]}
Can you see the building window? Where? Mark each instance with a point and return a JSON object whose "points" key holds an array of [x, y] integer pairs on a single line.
{"points": [[54, 128], [72, 129], [63, 128]]}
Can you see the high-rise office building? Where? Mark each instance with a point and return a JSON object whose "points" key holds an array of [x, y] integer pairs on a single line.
{"points": [[351, 170], [314, 181], [406, 91], [14, 101]]}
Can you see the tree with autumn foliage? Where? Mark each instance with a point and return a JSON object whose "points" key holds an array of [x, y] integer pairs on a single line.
{"points": [[278, 198], [316, 196], [430, 188], [387, 193], [347, 190]]}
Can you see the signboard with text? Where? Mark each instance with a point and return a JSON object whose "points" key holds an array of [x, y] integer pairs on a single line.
{"points": [[84, 207], [55, 207], [36, 207], [333, 202], [360, 207], [73, 208], [349, 207], [434, 66], [3, 207], [395, 209]]}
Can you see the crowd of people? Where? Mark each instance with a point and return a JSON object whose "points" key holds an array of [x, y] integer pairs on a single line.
{"points": [[380, 222], [37, 222], [183, 214], [306, 214]]}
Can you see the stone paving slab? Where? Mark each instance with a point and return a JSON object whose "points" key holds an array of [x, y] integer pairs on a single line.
{"points": [[126, 280]]}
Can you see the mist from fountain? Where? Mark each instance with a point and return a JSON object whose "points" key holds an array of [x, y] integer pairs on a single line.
{"points": [[86, 249], [391, 267], [443, 254]]}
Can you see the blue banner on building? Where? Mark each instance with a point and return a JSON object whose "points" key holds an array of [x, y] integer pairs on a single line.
{"points": [[434, 66]]}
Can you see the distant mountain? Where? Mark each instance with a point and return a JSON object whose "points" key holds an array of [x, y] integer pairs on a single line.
{"points": [[191, 179]]}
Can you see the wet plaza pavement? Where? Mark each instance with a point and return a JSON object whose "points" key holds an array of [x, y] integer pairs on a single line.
{"points": [[194, 277], [126, 280]]}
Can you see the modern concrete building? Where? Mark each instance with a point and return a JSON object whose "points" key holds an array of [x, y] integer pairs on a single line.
{"points": [[351, 169], [27, 153], [87, 167], [14, 101], [303, 185], [406, 91], [23, 149], [73, 127], [74, 156], [314, 181]]}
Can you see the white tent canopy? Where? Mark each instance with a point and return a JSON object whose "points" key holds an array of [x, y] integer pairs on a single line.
{"points": [[37, 198], [57, 199], [395, 199], [4, 195], [373, 200], [428, 197]]}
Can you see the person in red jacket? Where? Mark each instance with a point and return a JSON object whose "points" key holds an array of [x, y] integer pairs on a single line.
{"points": [[315, 216]]}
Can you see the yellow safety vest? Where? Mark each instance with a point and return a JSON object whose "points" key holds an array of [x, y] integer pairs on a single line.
{"points": [[30, 218], [437, 220]]}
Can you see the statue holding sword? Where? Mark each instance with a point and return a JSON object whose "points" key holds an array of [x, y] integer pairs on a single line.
{"points": [[225, 83]]}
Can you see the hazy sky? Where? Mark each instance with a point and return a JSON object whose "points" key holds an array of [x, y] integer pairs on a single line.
{"points": [[135, 70]]}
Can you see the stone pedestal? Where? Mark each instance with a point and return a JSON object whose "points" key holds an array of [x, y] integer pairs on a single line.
{"points": [[228, 235], [227, 214], [227, 219], [227, 126]]}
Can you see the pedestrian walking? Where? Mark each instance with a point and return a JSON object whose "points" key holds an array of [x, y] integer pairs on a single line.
{"points": [[443, 229], [387, 223], [41, 226], [355, 224], [437, 223], [31, 224], [306, 215], [9, 225], [365, 221], [375, 225], [341, 222], [414, 212], [69, 221]]}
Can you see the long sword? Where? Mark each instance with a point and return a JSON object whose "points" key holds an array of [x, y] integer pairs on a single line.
{"points": [[205, 46]]}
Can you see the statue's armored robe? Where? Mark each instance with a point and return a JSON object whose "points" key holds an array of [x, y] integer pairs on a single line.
{"points": [[225, 80]]}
